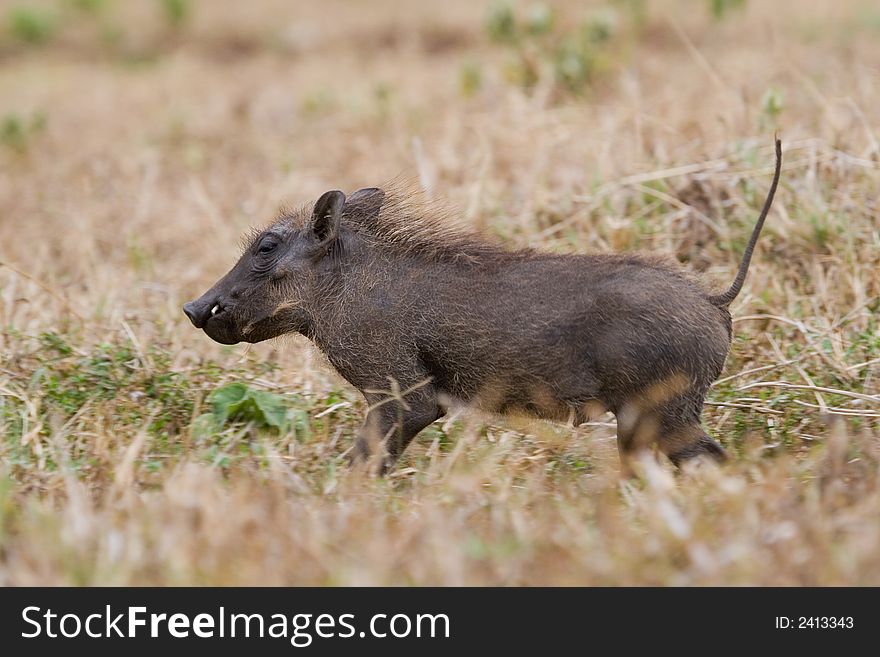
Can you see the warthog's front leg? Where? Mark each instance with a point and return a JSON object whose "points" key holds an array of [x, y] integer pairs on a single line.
{"points": [[393, 419]]}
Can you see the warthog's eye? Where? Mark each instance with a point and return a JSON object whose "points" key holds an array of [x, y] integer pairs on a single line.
{"points": [[267, 246]]}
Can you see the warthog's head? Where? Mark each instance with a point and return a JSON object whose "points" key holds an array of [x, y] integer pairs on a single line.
{"points": [[266, 293]]}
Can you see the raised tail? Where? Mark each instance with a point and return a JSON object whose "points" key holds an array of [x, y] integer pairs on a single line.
{"points": [[724, 300]]}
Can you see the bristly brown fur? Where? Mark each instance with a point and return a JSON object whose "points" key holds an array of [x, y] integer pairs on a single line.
{"points": [[410, 223]]}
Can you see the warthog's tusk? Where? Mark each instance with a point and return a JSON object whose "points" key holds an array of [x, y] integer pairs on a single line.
{"points": [[214, 310]]}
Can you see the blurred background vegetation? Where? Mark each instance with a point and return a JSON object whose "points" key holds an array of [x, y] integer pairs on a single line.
{"points": [[140, 139]]}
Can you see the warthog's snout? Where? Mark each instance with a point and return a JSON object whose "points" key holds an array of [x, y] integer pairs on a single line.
{"points": [[200, 311], [211, 314]]}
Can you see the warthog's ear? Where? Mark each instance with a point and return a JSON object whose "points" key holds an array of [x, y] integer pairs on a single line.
{"points": [[326, 215], [365, 203]]}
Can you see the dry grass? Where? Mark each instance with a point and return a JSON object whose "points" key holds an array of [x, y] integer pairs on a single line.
{"points": [[130, 165]]}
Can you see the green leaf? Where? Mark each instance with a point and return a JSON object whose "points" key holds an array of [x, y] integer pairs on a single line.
{"points": [[236, 401], [224, 399], [272, 408]]}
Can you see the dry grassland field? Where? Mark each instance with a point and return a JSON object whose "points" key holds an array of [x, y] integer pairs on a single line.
{"points": [[139, 141]]}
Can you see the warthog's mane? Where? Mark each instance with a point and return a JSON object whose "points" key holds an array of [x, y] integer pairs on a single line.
{"points": [[408, 223], [412, 224]]}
